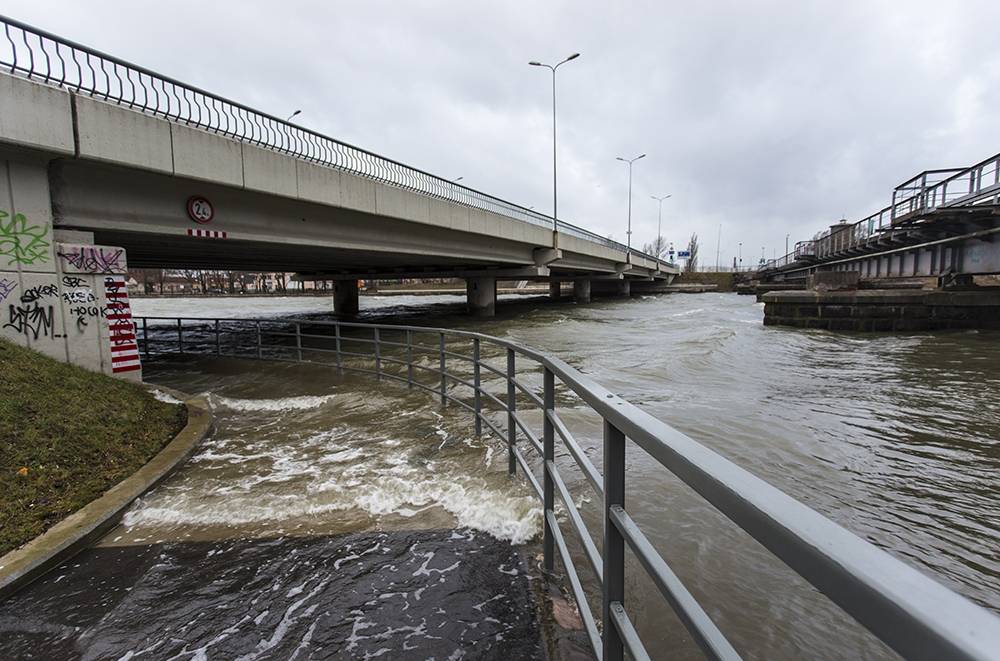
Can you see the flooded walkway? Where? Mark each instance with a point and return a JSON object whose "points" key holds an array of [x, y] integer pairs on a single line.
{"points": [[401, 594], [324, 518]]}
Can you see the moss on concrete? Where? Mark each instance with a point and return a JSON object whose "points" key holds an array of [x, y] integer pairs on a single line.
{"points": [[66, 436]]}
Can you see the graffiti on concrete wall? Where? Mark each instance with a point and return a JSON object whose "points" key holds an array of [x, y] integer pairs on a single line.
{"points": [[7, 287], [33, 315], [94, 259], [21, 243], [83, 304]]}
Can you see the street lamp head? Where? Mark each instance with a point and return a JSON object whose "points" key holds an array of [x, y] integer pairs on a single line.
{"points": [[621, 159], [639, 156], [572, 57], [293, 115], [536, 64]]}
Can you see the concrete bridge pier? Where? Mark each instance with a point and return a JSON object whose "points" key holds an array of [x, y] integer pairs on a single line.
{"points": [[624, 288], [481, 296], [555, 289], [581, 291], [345, 297]]}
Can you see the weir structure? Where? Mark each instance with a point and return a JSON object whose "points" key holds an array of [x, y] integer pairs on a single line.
{"points": [[496, 382], [938, 234]]}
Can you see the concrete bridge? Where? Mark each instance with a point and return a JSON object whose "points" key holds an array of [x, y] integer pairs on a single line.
{"points": [[181, 178]]}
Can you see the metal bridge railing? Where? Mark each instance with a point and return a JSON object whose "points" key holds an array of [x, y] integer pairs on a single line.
{"points": [[47, 58], [924, 193], [496, 381]]}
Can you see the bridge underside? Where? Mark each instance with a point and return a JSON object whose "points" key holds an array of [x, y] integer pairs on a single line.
{"points": [[144, 213]]}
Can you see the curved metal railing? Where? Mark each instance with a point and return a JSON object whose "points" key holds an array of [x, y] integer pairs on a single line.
{"points": [[47, 58], [910, 612]]}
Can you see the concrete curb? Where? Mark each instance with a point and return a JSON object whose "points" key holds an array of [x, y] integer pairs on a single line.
{"points": [[82, 528]]}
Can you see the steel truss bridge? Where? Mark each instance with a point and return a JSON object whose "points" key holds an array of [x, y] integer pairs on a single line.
{"points": [[941, 223]]}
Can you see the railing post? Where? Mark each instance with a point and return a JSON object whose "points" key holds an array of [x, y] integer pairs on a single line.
{"points": [[613, 590], [378, 355], [476, 381], [409, 359], [511, 407], [340, 362], [180, 336], [444, 380], [260, 348], [548, 455], [145, 337], [298, 340], [218, 342]]}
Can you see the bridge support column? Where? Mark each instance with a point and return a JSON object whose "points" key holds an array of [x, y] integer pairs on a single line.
{"points": [[624, 288], [581, 291], [345, 296], [481, 296], [555, 289]]}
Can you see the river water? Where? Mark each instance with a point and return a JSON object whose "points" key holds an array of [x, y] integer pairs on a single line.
{"points": [[895, 437]]}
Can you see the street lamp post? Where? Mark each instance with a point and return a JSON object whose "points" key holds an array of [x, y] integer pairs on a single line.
{"points": [[739, 252], [293, 115], [628, 232], [555, 196], [659, 222]]}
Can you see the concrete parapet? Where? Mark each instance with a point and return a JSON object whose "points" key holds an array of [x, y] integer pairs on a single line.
{"points": [[884, 310]]}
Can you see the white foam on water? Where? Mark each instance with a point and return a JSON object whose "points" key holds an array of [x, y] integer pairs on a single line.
{"points": [[300, 403], [165, 397]]}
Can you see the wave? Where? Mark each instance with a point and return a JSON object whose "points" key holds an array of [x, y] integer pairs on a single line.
{"points": [[300, 403]]}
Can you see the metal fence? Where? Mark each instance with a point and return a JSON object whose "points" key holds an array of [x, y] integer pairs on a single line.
{"points": [[492, 379], [47, 58]]}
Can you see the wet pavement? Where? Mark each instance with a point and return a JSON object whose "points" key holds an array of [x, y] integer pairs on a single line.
{"points": [[390, 595]]}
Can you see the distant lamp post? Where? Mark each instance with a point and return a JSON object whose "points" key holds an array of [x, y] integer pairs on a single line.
{"points": [[555, 196], [458, 179], [293, 115], [786, 243], [739, 252], [659, 223], [628, 233]]}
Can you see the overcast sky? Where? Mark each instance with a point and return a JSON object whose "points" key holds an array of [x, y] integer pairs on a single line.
{"points": [[769, 118]]}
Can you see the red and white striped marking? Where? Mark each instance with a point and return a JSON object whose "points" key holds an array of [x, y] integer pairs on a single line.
{"points": [[121, 330], [207, 234]]}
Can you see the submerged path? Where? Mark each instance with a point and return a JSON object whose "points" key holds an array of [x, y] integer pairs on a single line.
{"points": [[401, 594]]}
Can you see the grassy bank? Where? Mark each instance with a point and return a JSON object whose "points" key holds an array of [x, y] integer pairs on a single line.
{"points": [[66, 436]]}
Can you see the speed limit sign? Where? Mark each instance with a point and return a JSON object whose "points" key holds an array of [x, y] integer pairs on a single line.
{"points": [[199, 209]]}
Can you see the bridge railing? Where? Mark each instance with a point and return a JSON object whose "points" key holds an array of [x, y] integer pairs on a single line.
{"points": [[47, 58], [505, 386]]}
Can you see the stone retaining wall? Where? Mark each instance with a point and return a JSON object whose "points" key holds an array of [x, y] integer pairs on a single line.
{"points": [[884, 310]]}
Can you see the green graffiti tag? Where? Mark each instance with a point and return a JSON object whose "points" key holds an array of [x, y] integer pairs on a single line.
{"points": [[20, 242]]}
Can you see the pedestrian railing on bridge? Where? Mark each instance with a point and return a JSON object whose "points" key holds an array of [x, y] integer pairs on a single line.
{"points": [[496, 381], [47, 58]]}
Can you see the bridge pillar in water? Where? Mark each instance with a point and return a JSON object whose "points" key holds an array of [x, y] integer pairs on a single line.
{"points": [[555, 289], [345, 297], [481, 296], [581, 291], [624, 288]]}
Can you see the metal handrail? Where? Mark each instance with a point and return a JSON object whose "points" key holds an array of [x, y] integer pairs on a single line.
{"points": [[908, 611], [44, 57]]}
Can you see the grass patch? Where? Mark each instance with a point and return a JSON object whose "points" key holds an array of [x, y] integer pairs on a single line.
{"points": [[77, 434]]}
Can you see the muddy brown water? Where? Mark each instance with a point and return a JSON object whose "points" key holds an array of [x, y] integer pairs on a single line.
{"points": [[894, 437]]}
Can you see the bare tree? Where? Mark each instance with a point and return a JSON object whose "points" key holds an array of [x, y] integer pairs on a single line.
{"points": [[657, 248], [692, 263]]}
